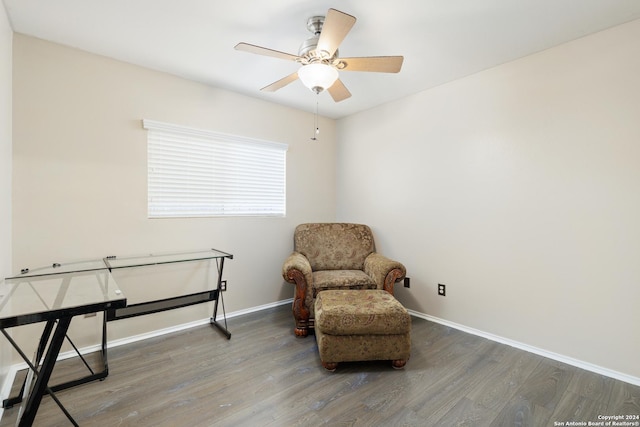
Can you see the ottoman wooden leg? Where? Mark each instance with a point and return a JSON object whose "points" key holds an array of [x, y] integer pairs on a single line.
{"points": [[330, 366], [398, 364]]}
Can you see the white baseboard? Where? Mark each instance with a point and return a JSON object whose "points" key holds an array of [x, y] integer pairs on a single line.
{"points": [[535, 350]]}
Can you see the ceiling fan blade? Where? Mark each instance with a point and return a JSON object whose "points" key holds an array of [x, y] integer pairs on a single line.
{"points": [[339, 91], [246, 47], [335, 28], [378, 64], [281, 83]]}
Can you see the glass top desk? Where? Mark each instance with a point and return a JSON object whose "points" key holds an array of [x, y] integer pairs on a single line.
{"points": [[52, 295], [57, 293]]}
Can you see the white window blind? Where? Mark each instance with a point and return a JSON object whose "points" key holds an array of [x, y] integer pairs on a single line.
{"points": [[198, 173]]}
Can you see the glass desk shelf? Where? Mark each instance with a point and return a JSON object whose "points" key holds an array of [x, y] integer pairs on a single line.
{"points": [[42, 297]]}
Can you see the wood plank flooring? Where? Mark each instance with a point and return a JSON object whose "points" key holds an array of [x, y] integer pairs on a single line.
{"points": [[265, 376]]}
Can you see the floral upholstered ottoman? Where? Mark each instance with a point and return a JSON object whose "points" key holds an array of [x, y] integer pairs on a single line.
{"points": [[359, 325]]}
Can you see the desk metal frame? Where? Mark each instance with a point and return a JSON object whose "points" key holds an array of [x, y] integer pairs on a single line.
{"points": [[57, 314], [112, 311]]}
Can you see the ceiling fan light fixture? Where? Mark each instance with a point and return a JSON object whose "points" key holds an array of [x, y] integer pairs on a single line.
{"points": [[318, 77]]}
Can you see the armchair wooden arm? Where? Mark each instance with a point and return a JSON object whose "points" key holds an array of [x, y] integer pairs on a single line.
{"points": [[297, 270]]}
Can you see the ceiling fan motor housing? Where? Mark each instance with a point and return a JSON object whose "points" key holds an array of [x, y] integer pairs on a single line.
{"points": [[308, 49], [308, 46], [309, 54]]}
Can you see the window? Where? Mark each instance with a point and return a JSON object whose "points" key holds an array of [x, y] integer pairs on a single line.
{"points": [[199, 173]]}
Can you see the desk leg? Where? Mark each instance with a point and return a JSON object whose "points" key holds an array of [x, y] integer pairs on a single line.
{"points": [[42, 345], [214, 321], [40, 387]]}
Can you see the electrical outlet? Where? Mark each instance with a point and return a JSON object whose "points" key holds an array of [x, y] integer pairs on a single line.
{"points": [[442, 289], [407, 282], [223, 285]]}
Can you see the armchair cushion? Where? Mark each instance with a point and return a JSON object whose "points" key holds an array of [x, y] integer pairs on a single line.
{"points": [[341, 279]]}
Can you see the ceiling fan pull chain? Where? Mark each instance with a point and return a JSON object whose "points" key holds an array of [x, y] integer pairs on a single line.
{"points": [[316, 128]]}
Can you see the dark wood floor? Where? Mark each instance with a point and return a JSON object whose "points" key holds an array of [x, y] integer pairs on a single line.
{"points": [[264, 376]]}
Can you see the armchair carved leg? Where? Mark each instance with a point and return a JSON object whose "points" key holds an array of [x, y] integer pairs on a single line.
{"points": [[300, 311], [398, 364], [301, 316]]}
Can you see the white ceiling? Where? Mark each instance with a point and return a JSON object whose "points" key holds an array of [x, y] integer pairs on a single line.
{"points": [[441, 40]]}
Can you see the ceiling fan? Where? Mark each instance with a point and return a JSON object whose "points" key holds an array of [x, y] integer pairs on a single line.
{"points": [[319, 57]]}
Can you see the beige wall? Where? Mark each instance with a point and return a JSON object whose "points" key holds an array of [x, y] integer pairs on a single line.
{"points": [[519, 188], [6, 36], [80, 176]]}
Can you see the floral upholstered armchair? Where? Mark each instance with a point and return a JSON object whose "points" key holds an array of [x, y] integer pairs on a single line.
{"points": [[334, 256]]}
